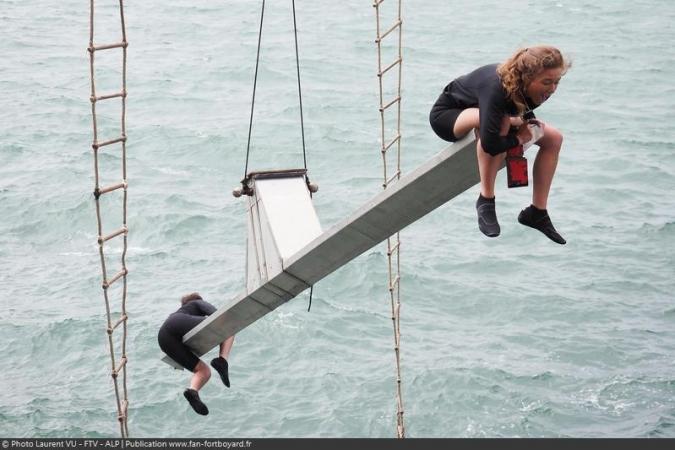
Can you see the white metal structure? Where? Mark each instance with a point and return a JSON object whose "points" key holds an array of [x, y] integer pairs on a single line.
{"points": [[281, 220]]}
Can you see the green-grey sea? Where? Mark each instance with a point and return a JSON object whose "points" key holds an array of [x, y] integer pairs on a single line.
{"points": [[507, 337]]}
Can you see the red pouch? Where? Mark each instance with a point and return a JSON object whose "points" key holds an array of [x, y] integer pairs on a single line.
{"points": [[516, 167]]}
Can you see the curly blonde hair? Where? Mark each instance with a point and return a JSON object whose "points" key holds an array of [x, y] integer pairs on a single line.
{"points": [[517, 72]]}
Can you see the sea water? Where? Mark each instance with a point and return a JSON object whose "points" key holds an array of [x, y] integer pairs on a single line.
{"points": [[507, 337]]}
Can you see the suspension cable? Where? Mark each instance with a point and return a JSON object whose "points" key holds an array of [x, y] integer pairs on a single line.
{"points": [[394, 242], [255, 82], [297, 65], [121, 367]]}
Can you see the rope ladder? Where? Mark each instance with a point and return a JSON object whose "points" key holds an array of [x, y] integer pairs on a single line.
{"points": [[118, 366], [387, 145]]}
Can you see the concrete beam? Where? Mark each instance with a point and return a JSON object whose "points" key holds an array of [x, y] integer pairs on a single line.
{"points": [[438, 180]]}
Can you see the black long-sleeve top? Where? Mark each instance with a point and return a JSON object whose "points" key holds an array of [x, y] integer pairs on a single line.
{"points": [[483, 89], [197, 308]]}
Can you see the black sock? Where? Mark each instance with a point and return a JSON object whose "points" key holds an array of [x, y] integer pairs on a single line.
{"points": [[539, 219], [538, 213], [482, 200], [487, 216], [220, 364], [192, 396]]}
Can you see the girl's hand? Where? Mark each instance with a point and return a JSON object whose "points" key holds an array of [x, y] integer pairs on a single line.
{"points": [[516, 121], [539, 123], [524, 134]]}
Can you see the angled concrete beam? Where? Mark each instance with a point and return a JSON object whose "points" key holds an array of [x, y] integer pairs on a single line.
{"points": [[438, 180]]}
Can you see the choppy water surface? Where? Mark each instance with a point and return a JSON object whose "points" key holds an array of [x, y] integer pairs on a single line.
{"points": [[508, 337]]}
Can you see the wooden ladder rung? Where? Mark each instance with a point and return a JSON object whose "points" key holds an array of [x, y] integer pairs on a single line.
{"points": [[397, 99], [392, 142], [394, 177], [108, 96], [394, 248], [98, 192], [102, 239], [123, 318], [95, 48], [386, 69], [386, 33], [120, 274], [116, 371], [393, 284], [97, 145]]}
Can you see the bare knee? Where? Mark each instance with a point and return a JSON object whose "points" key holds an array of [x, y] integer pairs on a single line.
{"points": [[557, 138], [552, 139], [203, 370], [466, 121]]}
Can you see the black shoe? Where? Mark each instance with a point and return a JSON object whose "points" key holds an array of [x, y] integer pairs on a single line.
{"points": [[192, 397], [220, 364], [539, 220], [487, 217]]}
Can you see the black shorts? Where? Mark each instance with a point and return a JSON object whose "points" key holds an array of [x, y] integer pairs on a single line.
{"points": [[170, 338], [442, 120]]}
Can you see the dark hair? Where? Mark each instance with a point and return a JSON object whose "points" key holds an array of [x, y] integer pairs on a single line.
{"points": [[190, 297]]}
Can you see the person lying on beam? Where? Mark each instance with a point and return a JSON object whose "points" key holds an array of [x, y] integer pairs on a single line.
{"points": [[497, 101], [192, 312]]}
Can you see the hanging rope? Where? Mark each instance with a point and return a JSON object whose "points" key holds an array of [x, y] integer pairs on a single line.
{"points": [[297, 65], [394, 242], [117, 367], [255, 83]]}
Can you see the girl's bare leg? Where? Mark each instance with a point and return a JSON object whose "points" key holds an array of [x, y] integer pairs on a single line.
{"points": [[536, 215], [545, 165], [488, 165]]}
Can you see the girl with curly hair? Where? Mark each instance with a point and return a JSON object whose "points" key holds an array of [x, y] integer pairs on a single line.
{"points": [[497, 101]]}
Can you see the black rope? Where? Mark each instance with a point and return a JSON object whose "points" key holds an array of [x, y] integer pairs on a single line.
{"points": [[297, 65], [255, 81], [311, 290]]}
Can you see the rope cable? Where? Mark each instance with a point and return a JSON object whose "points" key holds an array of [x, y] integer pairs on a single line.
{"points": [[297, 65], [311, 291], [255, 82]]}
